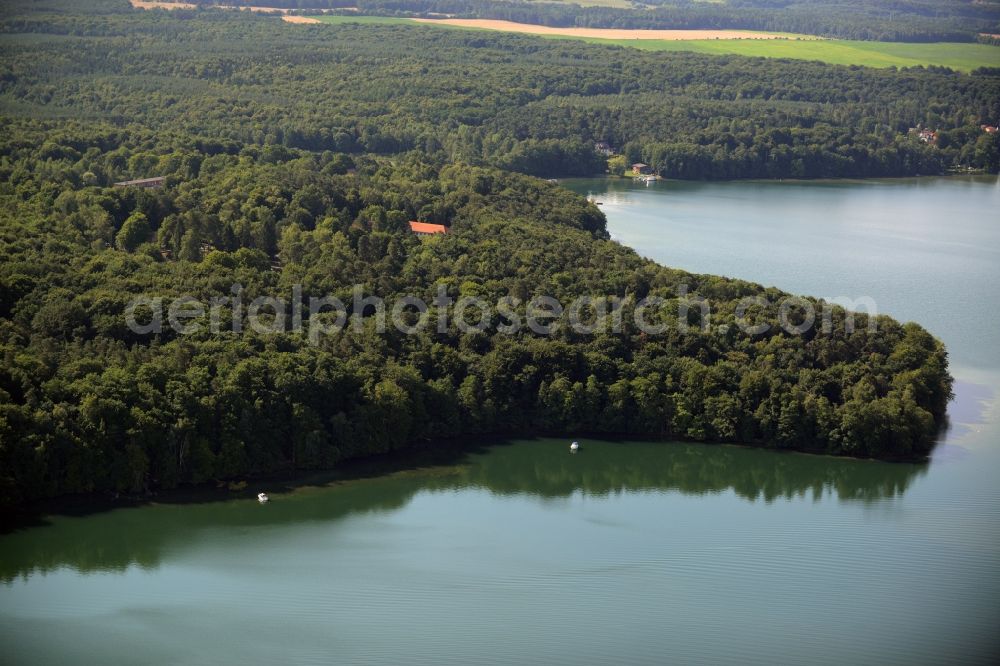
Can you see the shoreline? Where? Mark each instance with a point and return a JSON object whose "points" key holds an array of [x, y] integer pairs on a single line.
{"points": [[416, 457], [860, 180]]}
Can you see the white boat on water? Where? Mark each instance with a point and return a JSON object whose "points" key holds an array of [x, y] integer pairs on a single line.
{"points": [[262, 497]]}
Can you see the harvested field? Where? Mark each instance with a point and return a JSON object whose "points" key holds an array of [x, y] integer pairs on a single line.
{"points": [[152, 4], [142, 4], [605, 33]]}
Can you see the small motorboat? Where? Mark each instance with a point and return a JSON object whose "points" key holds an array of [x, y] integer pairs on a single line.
{"points": [[262, 497], [574, 447]]}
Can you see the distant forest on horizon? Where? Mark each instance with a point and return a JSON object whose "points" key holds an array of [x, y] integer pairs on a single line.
{"points": [[509, 101], [880, 20]]}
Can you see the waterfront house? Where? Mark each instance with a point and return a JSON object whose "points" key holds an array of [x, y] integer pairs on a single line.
{"points": [[427, 229]]}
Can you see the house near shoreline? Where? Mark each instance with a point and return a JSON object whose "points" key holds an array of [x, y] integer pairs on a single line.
{"points": [[604, 148], [925, 135], [640, 169], [145, 183], [427, 228]]}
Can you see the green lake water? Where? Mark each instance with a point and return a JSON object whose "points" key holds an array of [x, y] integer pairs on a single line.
{"points": [[626, 552]]}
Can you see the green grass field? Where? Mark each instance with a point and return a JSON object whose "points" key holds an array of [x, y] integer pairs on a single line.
{"points": [[958, 56]]}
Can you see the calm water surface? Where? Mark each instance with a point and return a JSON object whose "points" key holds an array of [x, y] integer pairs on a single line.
{"points": [[624, 552]]}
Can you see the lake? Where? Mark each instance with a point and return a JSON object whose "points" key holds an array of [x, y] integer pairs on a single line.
{"points": [[625, 552]]}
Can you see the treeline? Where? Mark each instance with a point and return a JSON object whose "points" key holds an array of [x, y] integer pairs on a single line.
{"points": [[87, 404], [232, 79], [741, 142], [882, 20]]}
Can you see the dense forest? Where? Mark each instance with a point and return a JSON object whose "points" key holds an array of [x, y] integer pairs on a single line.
{"points": [[90, 405], [296, 157], [508, 101], [884, 20]]}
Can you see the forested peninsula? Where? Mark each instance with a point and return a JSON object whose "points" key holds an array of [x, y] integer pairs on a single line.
{"points": [[295, 157]]}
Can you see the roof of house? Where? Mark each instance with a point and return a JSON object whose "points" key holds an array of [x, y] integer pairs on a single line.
{"points": [[639, 164], [142, 181], [427, 228]]}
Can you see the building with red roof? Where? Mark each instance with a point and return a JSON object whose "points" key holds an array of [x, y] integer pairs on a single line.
{"points": [[427, 229]]}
